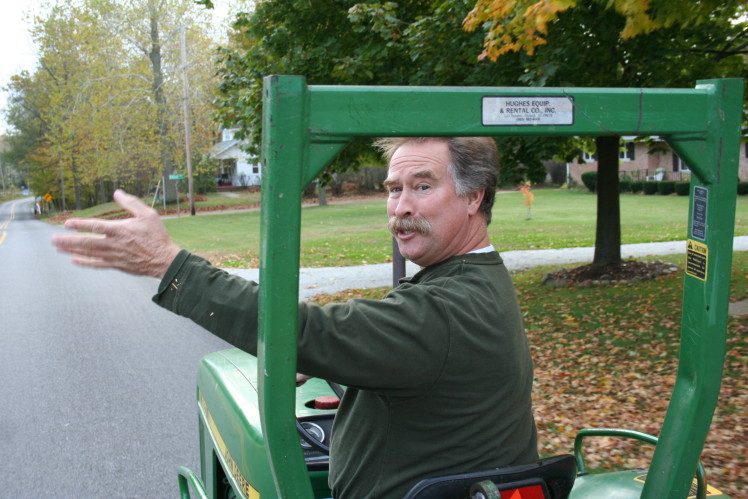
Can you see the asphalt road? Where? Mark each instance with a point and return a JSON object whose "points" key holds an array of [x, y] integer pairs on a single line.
{"points": [[97, 383]]}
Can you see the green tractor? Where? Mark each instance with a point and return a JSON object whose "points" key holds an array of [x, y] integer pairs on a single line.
{"points": [[261, 437]]}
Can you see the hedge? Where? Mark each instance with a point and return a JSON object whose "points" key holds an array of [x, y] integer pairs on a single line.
{"points": [[683, 188], [637, 185], [742, 188], [650, 187], [666, 187], [590, 180]]}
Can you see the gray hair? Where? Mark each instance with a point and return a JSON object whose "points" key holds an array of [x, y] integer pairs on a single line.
{"points": [[474, 164]]}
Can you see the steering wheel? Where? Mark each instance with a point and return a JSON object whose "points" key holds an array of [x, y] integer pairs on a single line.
{"points": [[308, 437]]}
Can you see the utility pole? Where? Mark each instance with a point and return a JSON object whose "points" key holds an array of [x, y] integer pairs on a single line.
{"points": [[186, 110]]}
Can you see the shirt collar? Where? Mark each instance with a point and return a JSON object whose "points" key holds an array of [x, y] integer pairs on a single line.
{"points": [[486, 249]]}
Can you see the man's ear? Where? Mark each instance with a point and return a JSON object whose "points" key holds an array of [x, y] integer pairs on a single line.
{"points": [[474, 201]]}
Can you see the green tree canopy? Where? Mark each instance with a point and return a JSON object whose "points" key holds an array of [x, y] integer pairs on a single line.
{"points": [[354, 43]]}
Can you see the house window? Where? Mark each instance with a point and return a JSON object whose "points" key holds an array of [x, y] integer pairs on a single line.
{"points": [[255, 169], [679, 165], [627, 152], [227, 135]]}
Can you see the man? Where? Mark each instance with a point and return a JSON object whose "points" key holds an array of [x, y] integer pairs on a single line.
{"points": [[439, 371]]}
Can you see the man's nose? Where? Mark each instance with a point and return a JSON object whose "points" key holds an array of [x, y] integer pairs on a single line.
{"points": [[404, 206]]}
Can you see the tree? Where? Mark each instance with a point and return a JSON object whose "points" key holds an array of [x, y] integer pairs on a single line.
{"points": [[150, 29], [661, 43], [89, 116], [345, 42], [523, 25], [26, 124]]}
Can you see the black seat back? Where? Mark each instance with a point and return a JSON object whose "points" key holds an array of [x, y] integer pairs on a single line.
{"points": [[554, 476]]}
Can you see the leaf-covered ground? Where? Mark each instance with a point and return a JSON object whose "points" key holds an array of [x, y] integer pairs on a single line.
{"points": [[607, 357]]}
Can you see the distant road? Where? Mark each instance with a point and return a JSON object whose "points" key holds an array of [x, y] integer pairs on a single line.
{"points": [[97, 383]]}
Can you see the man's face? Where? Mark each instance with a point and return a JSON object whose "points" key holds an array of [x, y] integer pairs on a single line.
{"points": [[430, 221]]}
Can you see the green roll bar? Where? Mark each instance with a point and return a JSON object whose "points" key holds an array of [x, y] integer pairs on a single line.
{"points": [[305, 127], [635, 435]]}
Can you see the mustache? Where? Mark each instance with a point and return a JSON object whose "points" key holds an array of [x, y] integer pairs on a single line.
{"points": [[409, 224]]}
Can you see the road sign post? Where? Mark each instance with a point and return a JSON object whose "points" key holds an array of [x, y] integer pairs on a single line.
{"points": [[176, 187]]}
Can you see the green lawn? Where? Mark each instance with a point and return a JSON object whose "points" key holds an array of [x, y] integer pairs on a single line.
{"points": [[355, 234]]}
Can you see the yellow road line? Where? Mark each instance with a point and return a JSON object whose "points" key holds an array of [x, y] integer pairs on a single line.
{"points": [[5, 224]]}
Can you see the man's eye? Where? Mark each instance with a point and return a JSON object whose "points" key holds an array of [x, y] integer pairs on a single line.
{"points": [[395, 189], [423, 187]]}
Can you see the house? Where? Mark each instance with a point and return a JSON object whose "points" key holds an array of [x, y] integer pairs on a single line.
{"points": [[653, 160], [235, 166]]}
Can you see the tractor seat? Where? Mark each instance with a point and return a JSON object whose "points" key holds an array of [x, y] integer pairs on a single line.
{"points": [[550, 478]]}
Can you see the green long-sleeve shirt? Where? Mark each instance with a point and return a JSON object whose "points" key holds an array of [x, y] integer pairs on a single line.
{"points": [[439, 371]]}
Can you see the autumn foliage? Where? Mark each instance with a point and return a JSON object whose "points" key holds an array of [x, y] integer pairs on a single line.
{"points": [[514, 25], [607, 357]]}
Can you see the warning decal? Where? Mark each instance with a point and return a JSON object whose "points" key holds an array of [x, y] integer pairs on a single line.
{"points": [[527, 110], [697, 258]]}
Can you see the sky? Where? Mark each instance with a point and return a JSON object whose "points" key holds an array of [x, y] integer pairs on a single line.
{"points": [[17, 47]]}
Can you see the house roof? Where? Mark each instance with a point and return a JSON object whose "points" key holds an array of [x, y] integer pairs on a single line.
{"points": [[228, 149]]}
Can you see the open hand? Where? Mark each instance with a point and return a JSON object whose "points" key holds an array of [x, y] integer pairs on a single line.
{"points": [[139, 245]]}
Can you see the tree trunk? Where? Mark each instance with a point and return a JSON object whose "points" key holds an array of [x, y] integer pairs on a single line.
{"points": [[101, 191], [608, 230], [167, 166], [322, 194], [76, 183]]}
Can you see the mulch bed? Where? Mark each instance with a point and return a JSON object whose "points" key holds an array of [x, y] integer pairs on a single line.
{"points": [[626, 271]]}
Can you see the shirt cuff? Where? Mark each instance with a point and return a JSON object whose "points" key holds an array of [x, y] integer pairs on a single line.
{"points": [[168, 288]]}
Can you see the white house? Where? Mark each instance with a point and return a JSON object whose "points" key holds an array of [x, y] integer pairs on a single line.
{"points": [[235, 168]]}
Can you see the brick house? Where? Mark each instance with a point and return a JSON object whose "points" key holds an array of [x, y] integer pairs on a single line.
{"points": [[655, 161]]}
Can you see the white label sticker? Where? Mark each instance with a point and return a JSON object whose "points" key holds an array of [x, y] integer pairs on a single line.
{"points": [[527, 110]]}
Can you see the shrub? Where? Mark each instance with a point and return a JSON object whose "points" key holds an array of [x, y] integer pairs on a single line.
{"points": [[590, 180], [683, 188], [666, 187], [624, 186], [650, 187], [637, 185], [742, 188]]}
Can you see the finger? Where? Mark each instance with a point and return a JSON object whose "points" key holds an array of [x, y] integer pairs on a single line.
{"points": [[80, 244], [94, 225], [83, 261], [131, 203], [101, 263]]}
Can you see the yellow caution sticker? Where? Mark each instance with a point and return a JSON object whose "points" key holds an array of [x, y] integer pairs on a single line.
{"points": [[697, 259]]}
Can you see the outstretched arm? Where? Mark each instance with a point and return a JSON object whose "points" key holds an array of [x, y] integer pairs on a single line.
{"points": [[139, 245]]}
